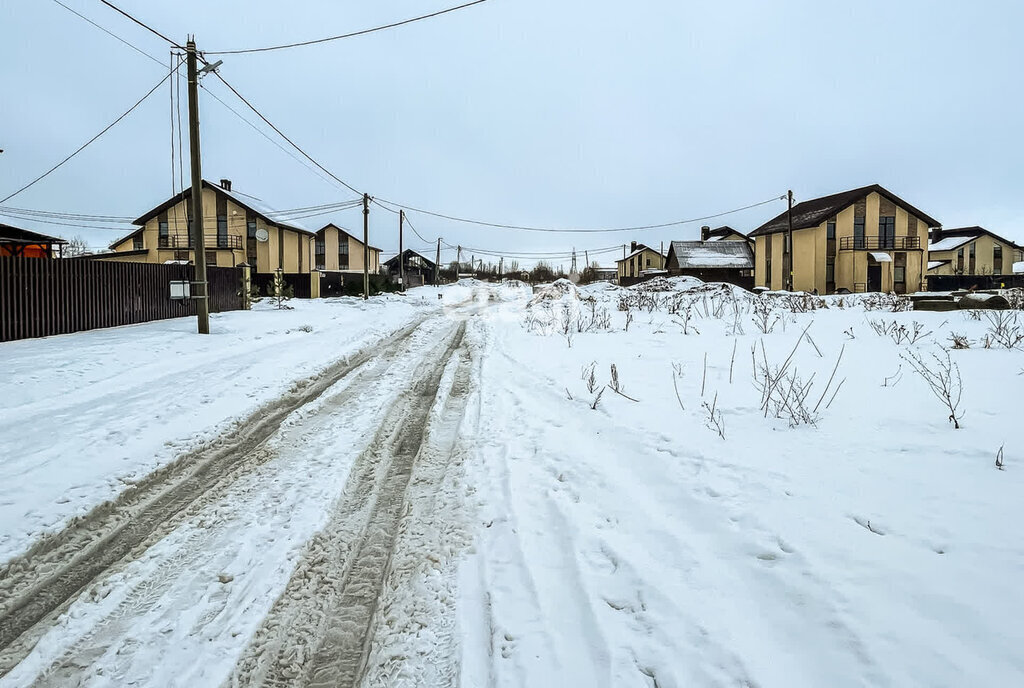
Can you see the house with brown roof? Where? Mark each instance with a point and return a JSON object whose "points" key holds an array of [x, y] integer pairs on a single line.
{"points": [[725, 233], [639, 263], [971, 251], [339, 256], [237, 228], [18, 242], [866, 239]]}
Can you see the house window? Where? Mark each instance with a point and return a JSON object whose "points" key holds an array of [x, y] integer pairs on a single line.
{"points": [[830, 229], [162, 231], [211, 257], [648, 262], [342, 252], [997, 259], [137, 243], [960, 261], [222, 221], [830, 275], [899, 273], [972, 260], [858, 232], [321, 253], [250, 240], [768, 261], [887, 232]]}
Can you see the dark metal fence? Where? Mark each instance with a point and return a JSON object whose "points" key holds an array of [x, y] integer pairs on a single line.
{"points": [[957, 282], [40, 297]]}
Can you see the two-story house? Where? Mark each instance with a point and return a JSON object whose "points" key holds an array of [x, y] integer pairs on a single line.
{"points": [[639, 260], [866, 239], [237, 229], [971, 251], [340, 257]]}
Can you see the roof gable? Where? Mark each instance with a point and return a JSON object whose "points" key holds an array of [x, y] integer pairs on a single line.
{"points": [[249, 203], [409, 253], [967, 234], [320, 233], [815, 211]]}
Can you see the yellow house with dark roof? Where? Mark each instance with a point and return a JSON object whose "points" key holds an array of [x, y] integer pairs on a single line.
{"points": [[866, 239], [236, 229], [971, 251]]}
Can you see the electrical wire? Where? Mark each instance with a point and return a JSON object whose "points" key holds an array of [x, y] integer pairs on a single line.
{"points": [[346, 35], [110, 33], [86, 144], [282, 135], [526, 228], [141, 23]]}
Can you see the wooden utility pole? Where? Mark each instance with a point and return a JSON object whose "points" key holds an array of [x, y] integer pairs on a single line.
{"points": [[199, 285], [789, 219], [437, 263], [401, 254], [366, 246]]}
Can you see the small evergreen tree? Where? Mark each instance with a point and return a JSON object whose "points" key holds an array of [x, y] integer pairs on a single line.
{"points": [[280, 291]]}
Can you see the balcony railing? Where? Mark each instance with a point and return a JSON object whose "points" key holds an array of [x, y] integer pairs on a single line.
{"points": [[872, 243], [184, 241]]}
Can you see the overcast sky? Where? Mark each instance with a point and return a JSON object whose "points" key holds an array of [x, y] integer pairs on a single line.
{"points": [[566, 114]]}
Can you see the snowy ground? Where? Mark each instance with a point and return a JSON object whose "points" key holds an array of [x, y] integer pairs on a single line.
{"points": [[423, 495]]}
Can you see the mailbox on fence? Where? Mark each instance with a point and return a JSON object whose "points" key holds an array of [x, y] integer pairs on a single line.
{"points": [[180, 290]]}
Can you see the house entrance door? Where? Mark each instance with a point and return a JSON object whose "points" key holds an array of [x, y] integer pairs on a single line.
{"points": [[874, 277]]}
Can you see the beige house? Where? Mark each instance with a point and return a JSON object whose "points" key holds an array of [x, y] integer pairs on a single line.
{"points": [[339, 251], [866, 239], [971, 251], [339, 257], [640, 259], [236, 229]]}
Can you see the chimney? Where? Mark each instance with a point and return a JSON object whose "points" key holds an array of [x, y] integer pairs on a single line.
{"points": [[705, 232], [632, 246], [936, 235], [225, 184]]}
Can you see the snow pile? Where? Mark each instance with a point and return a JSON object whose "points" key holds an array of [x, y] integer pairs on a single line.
{"points": [[678, 283], [559, 290]]}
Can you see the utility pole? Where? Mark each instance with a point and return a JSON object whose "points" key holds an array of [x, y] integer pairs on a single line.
{"points": [[198, 242], [789, 219], [573, 270], [366, 246], [501, 267], [437, 262], [401, 254]]}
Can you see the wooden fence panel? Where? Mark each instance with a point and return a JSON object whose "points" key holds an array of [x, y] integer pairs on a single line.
{"points": [[40, 297]]}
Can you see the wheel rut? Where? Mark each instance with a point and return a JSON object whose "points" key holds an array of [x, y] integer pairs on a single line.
{"points": [[319, 631], [40, 583]]}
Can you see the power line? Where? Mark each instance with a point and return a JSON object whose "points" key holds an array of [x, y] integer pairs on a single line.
{"points": [[526, 228], [86, 144], [346, 35], [110, 33], [141, 23], [282, 135]]}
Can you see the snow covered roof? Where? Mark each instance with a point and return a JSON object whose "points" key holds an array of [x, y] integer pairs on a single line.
{"points": [[1018, 268], [881, 256], [932, 264], [711, 254], [952, 242]]}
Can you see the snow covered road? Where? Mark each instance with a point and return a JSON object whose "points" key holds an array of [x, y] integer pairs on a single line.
{"points": [[449, 498]]}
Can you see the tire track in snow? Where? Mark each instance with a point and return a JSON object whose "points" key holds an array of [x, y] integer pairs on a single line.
{"points": [[318, 632], [41, 582]]}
